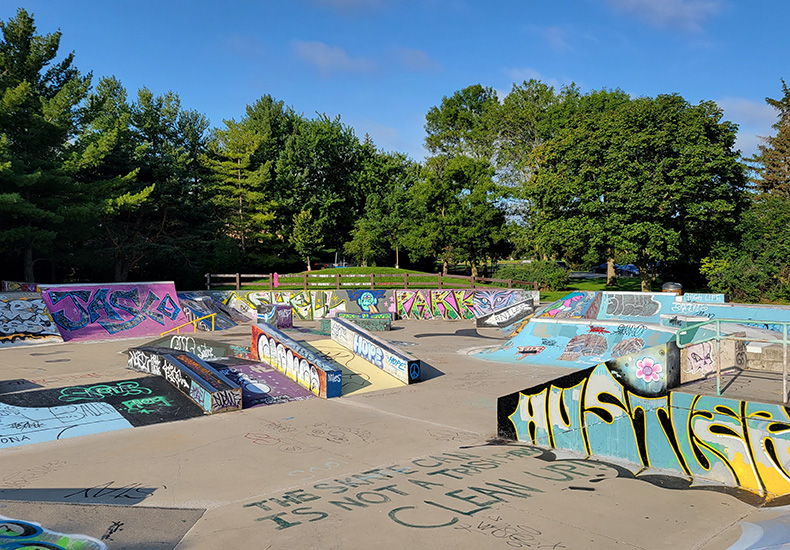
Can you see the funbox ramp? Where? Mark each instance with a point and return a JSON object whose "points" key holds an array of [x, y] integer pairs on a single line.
{"points": [[261, 384], [353, 360]]}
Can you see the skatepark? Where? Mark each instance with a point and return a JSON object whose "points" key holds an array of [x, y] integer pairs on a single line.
{"points": [[295, 427]]}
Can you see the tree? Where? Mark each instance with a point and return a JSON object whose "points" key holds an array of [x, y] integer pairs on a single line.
{"points": [[530, 115], [240, 186], [307, 236], [38, 121], [464, 124], [385, 179], [653, 179], [773, 159], [316, 172], [456, 213]]}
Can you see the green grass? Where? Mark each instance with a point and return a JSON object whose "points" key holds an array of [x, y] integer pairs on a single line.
{"points": [[630, 284]]}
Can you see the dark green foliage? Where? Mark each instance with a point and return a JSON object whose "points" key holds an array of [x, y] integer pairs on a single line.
{"points": [[757, 266], [39, 105], [652, 179], [549, 275]]}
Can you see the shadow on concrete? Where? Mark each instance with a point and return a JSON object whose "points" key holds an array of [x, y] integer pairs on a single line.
{"points": [[463, 332], [428, 371], [20, 384], [119, 527], [107, 493]]}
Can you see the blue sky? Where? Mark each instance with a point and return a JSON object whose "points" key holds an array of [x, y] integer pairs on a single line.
{"points": [[381, 64]]}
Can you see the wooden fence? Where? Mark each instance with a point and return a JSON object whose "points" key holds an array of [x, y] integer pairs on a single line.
{"points": [[338, 281]]}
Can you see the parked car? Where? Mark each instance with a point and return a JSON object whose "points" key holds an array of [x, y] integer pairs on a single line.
{"points": [[627, 270]]}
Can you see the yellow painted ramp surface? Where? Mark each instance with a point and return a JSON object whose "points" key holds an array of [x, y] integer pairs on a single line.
{"points": [[359, 376]]}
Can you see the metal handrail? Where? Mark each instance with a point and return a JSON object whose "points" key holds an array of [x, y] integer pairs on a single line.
{"points": [[193, 323], [719, 337]]}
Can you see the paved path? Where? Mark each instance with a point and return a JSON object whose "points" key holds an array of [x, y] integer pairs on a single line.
{"points": [[408, 467]]}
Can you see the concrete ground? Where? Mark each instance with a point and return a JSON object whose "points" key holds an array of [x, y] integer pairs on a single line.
{"points": [[409, 467]]}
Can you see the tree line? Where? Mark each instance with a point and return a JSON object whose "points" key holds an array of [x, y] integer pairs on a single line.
{"points": [[99, 184]]}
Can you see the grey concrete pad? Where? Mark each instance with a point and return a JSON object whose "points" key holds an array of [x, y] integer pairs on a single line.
{"points": [[413, 466]]}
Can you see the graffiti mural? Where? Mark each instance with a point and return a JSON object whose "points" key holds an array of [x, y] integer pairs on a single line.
{"points": [[14, 286], [413, 304], [435, 304], [375, 351], [18, 534], [576, 305], [507, 316], [595, 412], [489, 301], [26, 425], [195, 307], [366, 300], [24, 319], [699, 359], [100, 312], [141, 401], [260, 383], [299, 363]]}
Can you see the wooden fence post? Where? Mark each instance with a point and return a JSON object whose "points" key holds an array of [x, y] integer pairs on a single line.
{"points": [[304, 281], [238, 282], [439, 276], [337, 281], [271, 282], [405, 280], [208, 281], [472, 281], [371, 282]]}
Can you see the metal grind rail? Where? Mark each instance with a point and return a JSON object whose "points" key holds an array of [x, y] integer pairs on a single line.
{"points": [[688, 337]]}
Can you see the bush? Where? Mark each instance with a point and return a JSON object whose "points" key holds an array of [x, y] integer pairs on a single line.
{"points": [[548, 275]]}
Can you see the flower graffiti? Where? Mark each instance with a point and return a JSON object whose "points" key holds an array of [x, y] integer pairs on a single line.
{"points": [[648, 370]]}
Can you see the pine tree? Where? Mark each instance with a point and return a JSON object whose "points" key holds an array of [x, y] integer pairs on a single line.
{"points": [[38, 122], [773, 160]]}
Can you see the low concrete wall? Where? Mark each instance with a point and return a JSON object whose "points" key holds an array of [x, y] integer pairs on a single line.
{"points": [[299, 363], [376, 351]]}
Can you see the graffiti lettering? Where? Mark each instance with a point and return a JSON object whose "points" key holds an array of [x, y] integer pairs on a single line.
{"points": [[100, 391], [631, 305]]}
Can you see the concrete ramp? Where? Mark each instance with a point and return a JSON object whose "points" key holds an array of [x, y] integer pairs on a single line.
{"points": [[261, 384], [359, 375], [25, 320], [577, 343], [47, 415], [108, 311], [598, 412]]}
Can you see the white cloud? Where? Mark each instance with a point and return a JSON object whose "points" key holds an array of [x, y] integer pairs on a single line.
{"points": [[244, 46], [417, 61], [557, 38], [754, 120], [331, 59], [519, 75], [686, 15]]}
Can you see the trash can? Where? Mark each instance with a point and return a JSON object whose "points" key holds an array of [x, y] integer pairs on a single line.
{"points": [[676, 288]]}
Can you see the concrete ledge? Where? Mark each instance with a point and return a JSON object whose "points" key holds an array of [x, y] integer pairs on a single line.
{"points": [[376, 351], [373, 324], [299, 363], [193, 377]]}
